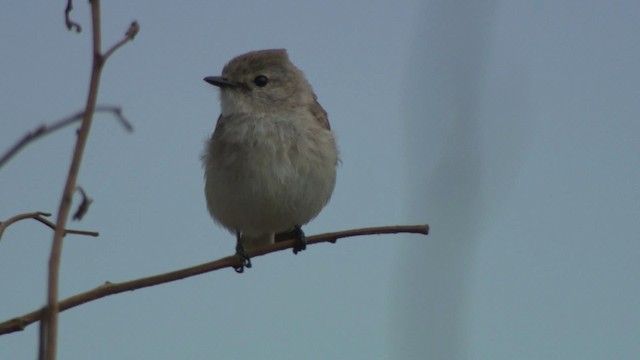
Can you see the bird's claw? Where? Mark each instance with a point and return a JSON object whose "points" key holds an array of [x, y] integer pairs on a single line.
{"points": [[245, 260], [299, 240]]}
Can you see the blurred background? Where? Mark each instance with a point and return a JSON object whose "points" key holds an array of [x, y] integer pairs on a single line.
{"points": [[511, 127]]}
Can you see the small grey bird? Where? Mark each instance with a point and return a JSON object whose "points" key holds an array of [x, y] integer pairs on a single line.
{"points": [[270, 165]]}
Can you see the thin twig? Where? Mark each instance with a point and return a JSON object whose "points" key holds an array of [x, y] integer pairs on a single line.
{"points": [[128, 36], [32, 215], [85, 203], [50, 340], [43, 130], [67, 231], [49, 343], [108, 288], [71, 25], [39, 216]]}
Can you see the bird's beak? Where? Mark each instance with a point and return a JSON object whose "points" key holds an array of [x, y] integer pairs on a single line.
{"points": [[219, 81]]}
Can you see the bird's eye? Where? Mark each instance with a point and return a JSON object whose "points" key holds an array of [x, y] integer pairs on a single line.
{"points": [[261, 81]]}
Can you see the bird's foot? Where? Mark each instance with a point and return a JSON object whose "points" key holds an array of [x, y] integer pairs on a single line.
{"points": [[298, 236], [245, 260], [299, 240]]}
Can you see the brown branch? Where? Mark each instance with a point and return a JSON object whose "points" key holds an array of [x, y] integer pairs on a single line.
{"points": [[49, 341], [43, 130], [49, 336], [108, 288], [128, 36], [34, 215], [39, 216]]}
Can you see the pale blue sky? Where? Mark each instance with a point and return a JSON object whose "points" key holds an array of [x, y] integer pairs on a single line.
{"points": [[511, 127]]}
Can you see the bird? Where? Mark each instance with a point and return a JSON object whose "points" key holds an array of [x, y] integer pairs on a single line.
{"points": [[270, 164]]}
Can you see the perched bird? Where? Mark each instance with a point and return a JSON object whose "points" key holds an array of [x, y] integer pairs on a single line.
{"points": [[270, 165]]}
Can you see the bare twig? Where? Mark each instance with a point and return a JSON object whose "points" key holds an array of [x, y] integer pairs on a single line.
{"points": [[67, 231], [108, 288], [39, 216], [33, 215], [71, 25], [128, 36], [48, 341], [43, 130], [83, 208]]}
